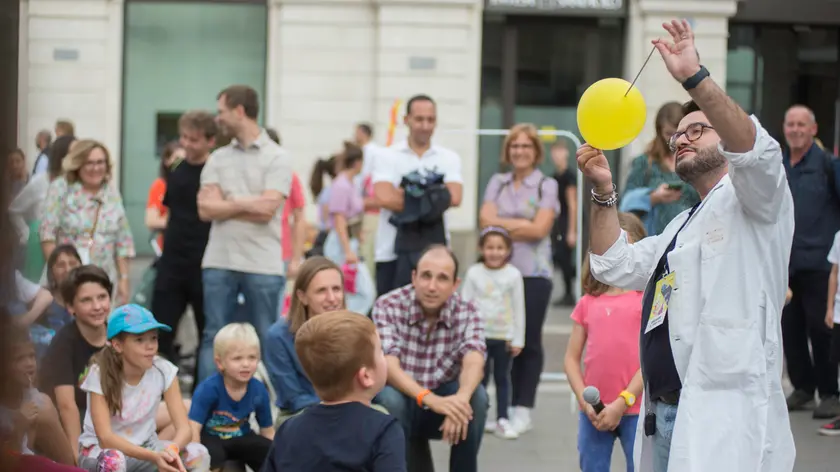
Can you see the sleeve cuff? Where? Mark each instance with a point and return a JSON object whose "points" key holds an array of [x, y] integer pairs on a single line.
{"points": [[759, 146], [608, 259]]}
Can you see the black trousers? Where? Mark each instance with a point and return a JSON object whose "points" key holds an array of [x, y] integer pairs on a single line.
{"points": [[528, 365], [406, 263], [175, 288], [563, 255], [803, 320], [251, 449], [385, 277]]}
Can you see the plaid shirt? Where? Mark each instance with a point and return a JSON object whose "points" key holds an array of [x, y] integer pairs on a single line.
{"points": [[431, 355]]}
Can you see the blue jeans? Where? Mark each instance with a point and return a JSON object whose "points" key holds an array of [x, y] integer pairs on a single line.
{"points": [[595, 447], [420, 424], [221, 292], [666, 417]]}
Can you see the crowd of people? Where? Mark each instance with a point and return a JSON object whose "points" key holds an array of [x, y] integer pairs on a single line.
{"points": [[378, 345]]}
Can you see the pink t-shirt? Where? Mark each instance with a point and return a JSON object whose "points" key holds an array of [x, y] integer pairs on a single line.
{"points": [[345, 199], [294, 202], [612, 324]]}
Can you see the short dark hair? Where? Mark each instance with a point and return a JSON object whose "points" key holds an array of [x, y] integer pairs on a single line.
{"points": [[690, 107], [82, 275], [199, 120], [272, 133], [366, 128], [417, 98], [440, 247], [244, 96]]}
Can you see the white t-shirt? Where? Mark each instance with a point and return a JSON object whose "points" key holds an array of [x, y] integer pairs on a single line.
{"points": [[136, 421], [834, 258], [397, 161]]}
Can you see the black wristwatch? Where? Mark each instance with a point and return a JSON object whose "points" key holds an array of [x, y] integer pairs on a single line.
{"points": [[695, 79]]}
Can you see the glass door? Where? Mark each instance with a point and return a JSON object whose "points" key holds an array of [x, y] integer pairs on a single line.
{"points": [[178, 56]]}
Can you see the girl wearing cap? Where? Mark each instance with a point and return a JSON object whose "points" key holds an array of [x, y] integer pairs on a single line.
{"points": [[124, 388]]}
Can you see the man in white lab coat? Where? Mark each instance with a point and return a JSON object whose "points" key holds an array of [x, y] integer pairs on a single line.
{"points": [[715, 283]]}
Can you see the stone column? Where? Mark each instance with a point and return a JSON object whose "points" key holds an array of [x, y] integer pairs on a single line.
{"points": [[334, 63], [710, 20], [73, 69]]}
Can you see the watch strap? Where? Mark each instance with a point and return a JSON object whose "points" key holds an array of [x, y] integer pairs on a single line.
{"points": [[695, 79], [629, 398]]}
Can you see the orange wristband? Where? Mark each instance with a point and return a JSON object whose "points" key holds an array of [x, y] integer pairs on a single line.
{"points": [[421, 396]]}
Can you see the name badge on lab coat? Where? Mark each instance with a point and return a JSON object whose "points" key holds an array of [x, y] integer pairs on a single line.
{"points": [[661, 297]]}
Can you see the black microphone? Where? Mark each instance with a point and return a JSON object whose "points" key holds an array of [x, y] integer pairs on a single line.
{"points": [[592, 396]]}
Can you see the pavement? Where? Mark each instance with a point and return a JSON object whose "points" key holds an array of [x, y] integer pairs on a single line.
{"points": [[552, 444]]}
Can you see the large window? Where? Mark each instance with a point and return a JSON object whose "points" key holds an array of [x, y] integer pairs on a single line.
{"points": [[801, 67], [178, 56], [534, 69]]}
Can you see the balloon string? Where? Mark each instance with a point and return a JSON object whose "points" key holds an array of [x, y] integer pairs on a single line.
{"points": [[640, 71]]}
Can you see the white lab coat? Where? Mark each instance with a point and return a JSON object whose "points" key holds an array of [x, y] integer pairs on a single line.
{"points": [[731, 264]]}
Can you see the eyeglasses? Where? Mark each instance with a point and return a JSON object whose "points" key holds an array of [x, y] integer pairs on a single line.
{"points": [[92, 164], [692, 133]]}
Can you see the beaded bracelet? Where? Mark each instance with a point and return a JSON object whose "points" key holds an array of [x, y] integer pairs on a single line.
{"points": [[605, 200]]}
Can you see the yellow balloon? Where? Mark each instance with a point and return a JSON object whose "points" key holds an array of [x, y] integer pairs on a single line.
{"points": [[607, 119]]}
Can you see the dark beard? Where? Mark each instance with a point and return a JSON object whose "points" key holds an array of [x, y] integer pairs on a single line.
{"points": [[706, 161]]}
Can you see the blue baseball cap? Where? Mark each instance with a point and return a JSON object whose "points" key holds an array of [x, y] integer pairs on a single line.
{"points": [[132, 319]]}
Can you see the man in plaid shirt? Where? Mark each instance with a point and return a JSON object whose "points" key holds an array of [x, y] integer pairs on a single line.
{"points": [[434, 344]]}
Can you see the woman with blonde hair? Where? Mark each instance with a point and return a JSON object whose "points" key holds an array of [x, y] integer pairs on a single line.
{"points": [[524, 202], [83, 209], [319, 288]]}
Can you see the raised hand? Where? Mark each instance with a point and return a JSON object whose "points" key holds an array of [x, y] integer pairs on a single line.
{"points": [[680, 55], [593, 163]]}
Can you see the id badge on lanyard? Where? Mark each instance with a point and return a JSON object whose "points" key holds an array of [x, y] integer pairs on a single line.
{"points": [[85, 243]]}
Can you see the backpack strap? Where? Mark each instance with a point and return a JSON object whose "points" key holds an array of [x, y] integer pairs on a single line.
{"points": [[539, 188]]}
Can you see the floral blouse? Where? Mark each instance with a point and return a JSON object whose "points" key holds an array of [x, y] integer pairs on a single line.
{"points": [[69, 214]]}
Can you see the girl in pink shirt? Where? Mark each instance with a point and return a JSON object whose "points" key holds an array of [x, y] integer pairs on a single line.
{"points": [[607, 321]]}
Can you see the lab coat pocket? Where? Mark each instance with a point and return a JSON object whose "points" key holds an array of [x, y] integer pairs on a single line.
{"points": [[725, 354]]}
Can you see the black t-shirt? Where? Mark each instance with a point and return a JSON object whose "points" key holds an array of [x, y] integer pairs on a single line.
{"points": [[660, 370], [65, 363], [564, 181], [331, 438], [186, 235]]}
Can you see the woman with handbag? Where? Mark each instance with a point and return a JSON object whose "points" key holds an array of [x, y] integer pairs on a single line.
{"points": [[82, 208]]}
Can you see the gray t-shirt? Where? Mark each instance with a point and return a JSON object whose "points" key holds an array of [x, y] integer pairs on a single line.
{"points": [[242, 245]]}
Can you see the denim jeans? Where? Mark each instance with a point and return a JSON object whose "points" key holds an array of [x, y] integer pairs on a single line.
{"points": [[595, 447], [666, 417], [221, 292], [497, 365], [420, 424]]}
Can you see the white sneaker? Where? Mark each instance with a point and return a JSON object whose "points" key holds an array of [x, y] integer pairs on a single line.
{"points": [[505, 430], [522, 420], [490, 426]]}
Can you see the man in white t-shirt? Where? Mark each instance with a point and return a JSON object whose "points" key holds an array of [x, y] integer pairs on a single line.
{"points": [[417, 153]]}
